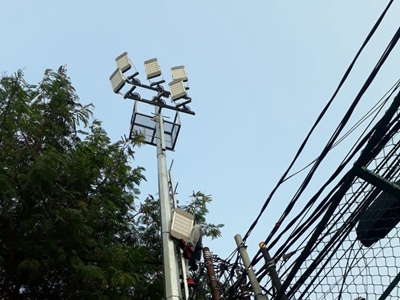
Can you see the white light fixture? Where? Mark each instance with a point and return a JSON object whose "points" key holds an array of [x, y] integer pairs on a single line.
{"points": [[117, 80], [179, 73], [177, 89], [182, 224], [123, 62], [152, 68]]}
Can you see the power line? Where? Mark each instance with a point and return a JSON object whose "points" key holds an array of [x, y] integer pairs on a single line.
{"points": [[282, 179], [333, 138]]}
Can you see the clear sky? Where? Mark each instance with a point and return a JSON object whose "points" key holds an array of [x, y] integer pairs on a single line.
{"points": [[259, 72]]}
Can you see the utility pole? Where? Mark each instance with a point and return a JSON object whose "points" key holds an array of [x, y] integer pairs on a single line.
{"points": [[216, 295], [249, 268], [242, 284], [271, 266], [154, 131]]}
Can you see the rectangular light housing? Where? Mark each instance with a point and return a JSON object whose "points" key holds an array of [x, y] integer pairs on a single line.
{"points": [[177, 89], [179, 73], [123, 62], [182, 224], [117, 80], [152, 68]]}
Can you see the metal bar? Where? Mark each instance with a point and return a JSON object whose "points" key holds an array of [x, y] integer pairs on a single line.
{"points": [[161, 138], [161, 104], [136, 82], [184, 275], [182, 260], [380, 182], [172, 190], [391, 286]]}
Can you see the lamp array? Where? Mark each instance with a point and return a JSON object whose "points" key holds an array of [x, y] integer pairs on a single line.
{"points": [[178, 90]]}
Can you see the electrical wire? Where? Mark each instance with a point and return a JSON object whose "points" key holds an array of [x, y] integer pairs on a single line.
{"points": [[369, 36], [390, 132], [333, 140], [322, 205], [373, 111], [375, 144]]}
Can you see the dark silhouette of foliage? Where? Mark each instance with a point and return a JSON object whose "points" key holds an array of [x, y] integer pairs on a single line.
{"points": [[70, 225], [66, 197]]}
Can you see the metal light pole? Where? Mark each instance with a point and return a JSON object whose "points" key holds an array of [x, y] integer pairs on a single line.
{"points": [[154, 132], [171, 278]]}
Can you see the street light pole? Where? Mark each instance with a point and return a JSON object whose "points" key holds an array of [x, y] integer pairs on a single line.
{"points": [[171, 280], [155, 135]]}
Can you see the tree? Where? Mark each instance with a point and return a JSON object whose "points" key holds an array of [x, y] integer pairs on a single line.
{"points": [[66, 197], [147, 234], [198, 207], [70, 225]]}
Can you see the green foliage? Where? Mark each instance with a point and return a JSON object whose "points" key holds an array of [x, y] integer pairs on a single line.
{"points": [[66, 197], [70, 225], [148, 223], [198, 207], [147, 234]]}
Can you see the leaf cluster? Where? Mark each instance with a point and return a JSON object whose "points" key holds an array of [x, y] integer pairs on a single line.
{"points": [[197, 206], [147, 234], [70, 226], [66, 197]]}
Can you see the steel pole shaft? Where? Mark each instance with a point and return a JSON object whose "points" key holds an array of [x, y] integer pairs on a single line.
{"points": [[171, 280]]}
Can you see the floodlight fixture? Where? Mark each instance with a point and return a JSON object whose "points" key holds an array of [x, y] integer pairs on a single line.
{"points": [[123, 62], [117, 80], [182, 224], [177, 89], [378, 219], [179, 73], [152, 68]]}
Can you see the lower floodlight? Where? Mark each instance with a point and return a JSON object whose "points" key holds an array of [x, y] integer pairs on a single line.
{"points": [[117, 80], [179, 73], [123, 62], [177, 89], [378, 219], [152, 68]]}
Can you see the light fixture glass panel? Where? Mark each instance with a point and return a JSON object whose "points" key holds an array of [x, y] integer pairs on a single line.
{"points": [[117, 80], [177, 89], [182, 224], [179, 73], [152, 68], [123, 62]]}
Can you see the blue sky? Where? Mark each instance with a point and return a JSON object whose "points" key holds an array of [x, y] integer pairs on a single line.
{"points": [[259, 72]]}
